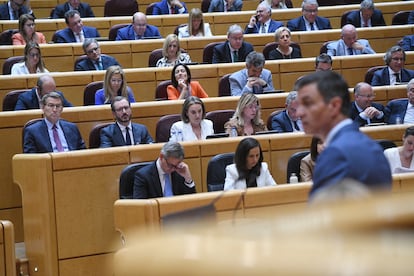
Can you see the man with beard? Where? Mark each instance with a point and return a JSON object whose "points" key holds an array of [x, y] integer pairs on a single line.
{"points": [[123, 132]]}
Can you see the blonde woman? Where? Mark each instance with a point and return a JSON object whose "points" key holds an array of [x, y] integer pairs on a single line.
{"points": [[195, 26], [171, 52], [284, 50], [32, 62], [27, 31], [277, 4]]}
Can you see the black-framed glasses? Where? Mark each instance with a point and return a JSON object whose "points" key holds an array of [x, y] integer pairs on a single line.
{"points": [[92, 50], [171, 166]]}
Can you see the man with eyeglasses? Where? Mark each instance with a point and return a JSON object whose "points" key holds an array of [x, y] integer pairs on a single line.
{"points": [[401, 111], [288, 120], [94, 59], [367, 16], [13, 9], [394, 73], [75, 32], [139, 29], [309, 21], [84, 9], [123, 132], [262, 22], [363, 110], [52, 134], [168, 176]]}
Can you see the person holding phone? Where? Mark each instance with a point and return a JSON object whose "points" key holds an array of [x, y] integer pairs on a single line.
{"points": [[261, 22]]}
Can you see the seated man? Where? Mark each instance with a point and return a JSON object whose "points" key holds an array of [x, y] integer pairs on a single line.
{"points": [[123, 132], [95, 60], [169, 175], [253, 78], [363, 110], [401, 111], [408, 43], [323, 62], [225, 6], [288, 120], [13, 9], [75, 32], [262, 22], [83, 8], [32, 98], [169, 7], [234, 49], [138, 29], [394, 73], [367, 16], [349, 44], [309, 21], [410, 19], [52, 134]]}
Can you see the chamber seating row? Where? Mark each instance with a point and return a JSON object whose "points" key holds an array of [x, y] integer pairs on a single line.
{"points": [[7, 251]]}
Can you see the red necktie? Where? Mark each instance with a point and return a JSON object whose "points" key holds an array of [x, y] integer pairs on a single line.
{"points": [[172, 10]]}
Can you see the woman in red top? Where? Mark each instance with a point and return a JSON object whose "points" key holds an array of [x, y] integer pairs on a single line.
{"points": [[182, 86], [27, 31]]}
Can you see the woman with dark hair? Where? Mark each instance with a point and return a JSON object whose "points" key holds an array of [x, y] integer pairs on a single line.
{"points": [[32, 62], [401, 158], [27, 31], [182, 86], [193, 125], [248, 169], [307, 164]]}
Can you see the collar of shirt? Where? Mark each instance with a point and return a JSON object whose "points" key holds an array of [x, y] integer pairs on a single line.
{"points": [[335, 130], [50, 124], [308, 25], [393, 79], [123, 128], [362, 20]]}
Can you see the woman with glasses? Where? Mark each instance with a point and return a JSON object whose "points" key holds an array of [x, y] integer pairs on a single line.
{"points": [[114, 85], [27, 31], [246, 120], [32, 62], [195, 26], [171, 53], [283, 49]]}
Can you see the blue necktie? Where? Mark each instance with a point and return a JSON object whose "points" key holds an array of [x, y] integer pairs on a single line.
{"points": [[350, 51], [312, 27], [167, 188]]}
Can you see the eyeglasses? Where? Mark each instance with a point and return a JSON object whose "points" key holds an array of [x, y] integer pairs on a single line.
{"points": [[310, 11], [369, 96], [140, 25], [92, 50], [120, 109], [116, 80], [31, 25], [171, 166], [397, 59], [52, 106]]}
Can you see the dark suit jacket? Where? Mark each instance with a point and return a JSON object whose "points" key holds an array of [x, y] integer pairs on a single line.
{"points": [[84, 10], [298, 24], [218, 6], [162, 8], [395, 109], [128, 33], [87, 64], [408, 42], [4, 11], [28, 100], [351, 155], [281, 122], [355, 19], [147, 183], [111, 136], [36, 137], [274, 25], [66, 35], [221, 52], [411, 18], [382, 76], [354, 114]]}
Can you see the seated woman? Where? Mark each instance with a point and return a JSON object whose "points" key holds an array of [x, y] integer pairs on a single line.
{"points": [[247, 118], [277, 4], [401, 158], [248, 169], [195, 26], [307, 164], [182, 86], [32, 62], [193, 125], [284, 50], [114, 85], [171, 53], [27, 31]]}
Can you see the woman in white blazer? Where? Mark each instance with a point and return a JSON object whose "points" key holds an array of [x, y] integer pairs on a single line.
{"points": [[248, 169]]}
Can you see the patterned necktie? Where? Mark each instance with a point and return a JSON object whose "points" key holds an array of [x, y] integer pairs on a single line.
{"points": [[235, 56], [397, 77], [99, 64], [263, 30], [167, 188], [80, 37], [127, 137], [57, 139]]}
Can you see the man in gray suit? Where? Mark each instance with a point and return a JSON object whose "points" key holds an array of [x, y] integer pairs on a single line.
{"points": [[349, 44], [253, 78]]}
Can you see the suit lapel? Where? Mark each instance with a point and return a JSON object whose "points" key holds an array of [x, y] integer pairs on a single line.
{"points": [[118, 137], [156, 179], [45, 133]]}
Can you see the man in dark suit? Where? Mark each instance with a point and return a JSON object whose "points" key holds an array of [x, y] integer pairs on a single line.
{"points": [[32, 98], [52, 134], [75, 32], [323, 62], [12, 9], [363, 110], [262, 22], [169, 7], [288, 120], [123, 132], [138, 29], [309, 21], [95, 60], [394, 73], [410, 19], [324, 104], [225, 6], [401, 111], [367, 16], [408, 43], [83, 8], [234, 49], [169, 175]]}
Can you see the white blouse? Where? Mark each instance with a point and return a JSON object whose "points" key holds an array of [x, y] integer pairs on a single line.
{"points": [[181, 131], [183, 31], [393, 157], [20, 68]]}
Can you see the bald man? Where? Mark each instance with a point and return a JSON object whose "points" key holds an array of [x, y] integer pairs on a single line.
{"points": [[138, 29], [349, 44], [363, 110]]}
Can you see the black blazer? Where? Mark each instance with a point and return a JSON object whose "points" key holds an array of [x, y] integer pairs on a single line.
{"points": [[29, 100], [281, 122], [221, 52], [84, 10], [111, 136], [87, 64], [354, 114], [376, 20], [4, 11]]}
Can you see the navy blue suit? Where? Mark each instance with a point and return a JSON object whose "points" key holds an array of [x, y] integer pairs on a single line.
{"points": [[147, 183], [354, 114], [221, 52], [36, 137], [128, 33], [111, 136], [411, 18], [29, 100], [66, 35], [218, 6], [354, 18], [273, 26], [87, 64], [408, 43], [298, 24], [162, 8], [351, 155], [281, 122], [382, 76], [84, 10], [395, 109], [5, 15]]}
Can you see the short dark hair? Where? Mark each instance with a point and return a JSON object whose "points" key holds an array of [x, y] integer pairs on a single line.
{"points": [[240, 156], [173, 80], [186, 105], [323, 58], [117, 99], [173, 149], [409, 131], [70, 14], [54, 95]]}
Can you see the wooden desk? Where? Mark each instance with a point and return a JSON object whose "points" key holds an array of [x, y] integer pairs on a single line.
{"points": [[7, 251]]}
